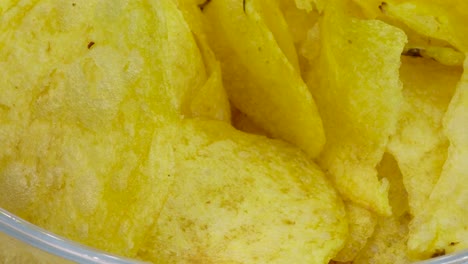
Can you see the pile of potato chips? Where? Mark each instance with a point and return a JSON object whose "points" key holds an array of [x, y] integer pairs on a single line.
{"points": [[239, 131]]}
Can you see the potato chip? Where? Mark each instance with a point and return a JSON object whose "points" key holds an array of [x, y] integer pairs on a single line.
{"points": [[388, 243], [299, 21], [179, 51], [419, 144], [398, 196], [440, 19], [358, 93], [441, 227], [259, 79], [361, 227], [240, 198], [210, 100], [444, 55], [271, 15], [84, 87], [420, 44]]}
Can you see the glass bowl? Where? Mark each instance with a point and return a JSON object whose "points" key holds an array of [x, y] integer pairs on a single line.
{"points": [[23, 242]]}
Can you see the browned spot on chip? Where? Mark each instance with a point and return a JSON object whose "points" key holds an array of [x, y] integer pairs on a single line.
{"points": [[438, 253], [413, 52], [383, 6], [204, 4]]}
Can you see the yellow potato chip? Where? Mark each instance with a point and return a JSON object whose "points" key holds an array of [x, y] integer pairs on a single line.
{"points": [[301, 24], [358, 93], [271, 15], [441, 227], [84, 87], [398, 196], [420, 44], [299, 21], [240, 198], [444, 55], [419, 144], [361, 227], [210, 100], [259, 79], [388, 243], [187, 73], [439, 19]]}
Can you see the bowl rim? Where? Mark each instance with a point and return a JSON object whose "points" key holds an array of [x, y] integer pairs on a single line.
{"points": [[42, 239]]}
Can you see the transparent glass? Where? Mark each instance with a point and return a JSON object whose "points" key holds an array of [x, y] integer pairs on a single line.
{"points": [[22, 242]]}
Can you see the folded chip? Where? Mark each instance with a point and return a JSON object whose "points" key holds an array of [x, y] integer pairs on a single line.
{"points": [[271, 15], [357, 89], [259, 77], [398, 195], [407, 16], [420, 146], [441, 227], [439, 19], [388, 242], [209, 100]]}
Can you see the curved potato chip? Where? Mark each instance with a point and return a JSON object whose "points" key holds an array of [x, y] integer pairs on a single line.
{"points": [[420, 44], [419, 144], [361, 227], [258, 77], [398, 196], [439, 19], [388, 243], [444, 55], [441, 227], [240, 198], [301, 23], [210, 100], [84, 87], [273, 18], [358, 94], [180, 50]]}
